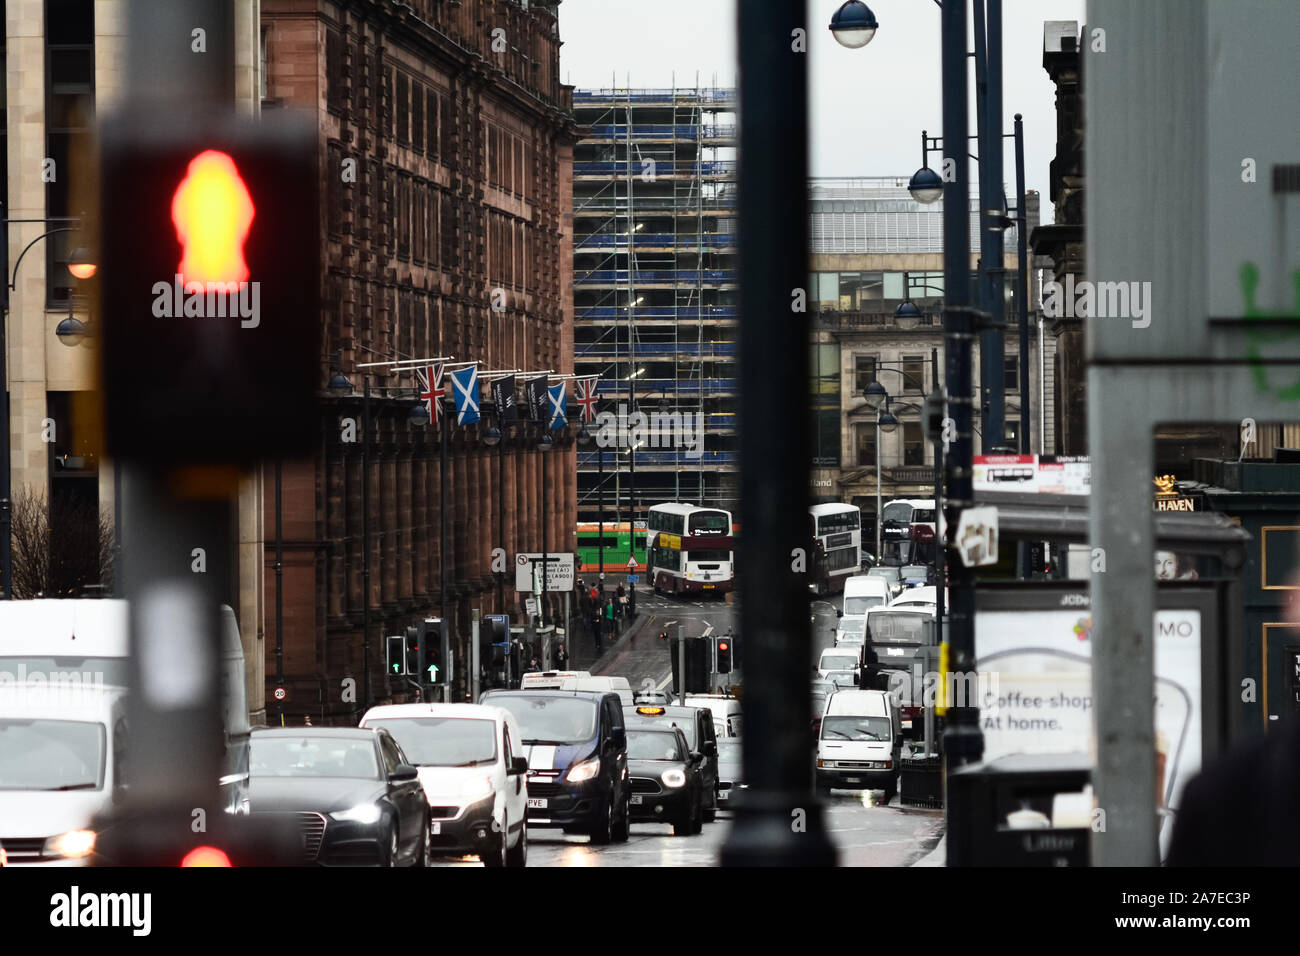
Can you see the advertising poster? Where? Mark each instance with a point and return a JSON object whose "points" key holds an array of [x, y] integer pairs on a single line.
{"points": [[1038, 694]]}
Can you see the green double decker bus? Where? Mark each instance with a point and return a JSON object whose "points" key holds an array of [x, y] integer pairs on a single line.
{"points": [[618, 546]]}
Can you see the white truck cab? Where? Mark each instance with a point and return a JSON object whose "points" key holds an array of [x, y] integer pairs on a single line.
{"points": [[860, 742]]}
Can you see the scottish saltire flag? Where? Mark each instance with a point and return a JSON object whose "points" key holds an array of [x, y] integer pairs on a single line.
{"points": [[535, 393], [584, 393], [556, 394], [503, 393], [431, 391], [464, 389]]}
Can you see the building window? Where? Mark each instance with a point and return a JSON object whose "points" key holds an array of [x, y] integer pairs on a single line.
{"points": [[865, 445], [864, 373], [431, 127], [913, 444], [69, 115], [914, 372], [826, 405], [1011, 434], [417, 117], [1011, 377], [261, 63], [402, 216], [403, 109], [333, 71]]}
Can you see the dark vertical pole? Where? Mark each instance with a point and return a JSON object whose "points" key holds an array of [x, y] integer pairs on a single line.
{"points": [[279, 585], [995, 261], [365, 541], [545, 452], [445, 642], [939, 582], [1024, 570], [600, 504], [779, 822], [501, 515], [1022, 290], [992, 373], [962, 741]]}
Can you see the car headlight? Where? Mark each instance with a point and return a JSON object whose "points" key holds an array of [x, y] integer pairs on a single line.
{"points": [[673, 778], [584, 771], [826, 764], [73, 845], [361, 813]]}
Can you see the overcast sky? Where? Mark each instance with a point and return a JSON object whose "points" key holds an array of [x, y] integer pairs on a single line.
{"points": [[868, 106]]}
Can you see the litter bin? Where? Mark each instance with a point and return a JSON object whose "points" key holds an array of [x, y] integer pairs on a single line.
{"points": [[1028, 809]]}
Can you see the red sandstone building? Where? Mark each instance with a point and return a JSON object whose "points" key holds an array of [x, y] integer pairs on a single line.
{"points": [[446, 145]]}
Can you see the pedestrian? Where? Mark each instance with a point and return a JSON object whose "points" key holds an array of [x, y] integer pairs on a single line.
{"points": [[622, 603], [561, 658], [533, 666], [609, 618], [593, 596]]}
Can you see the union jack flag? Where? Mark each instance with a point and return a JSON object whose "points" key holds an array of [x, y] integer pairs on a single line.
{"points": [[431, 391], [584, 393]]}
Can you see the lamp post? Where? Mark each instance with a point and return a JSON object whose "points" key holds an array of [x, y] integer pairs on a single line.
{"points": [[963, 739], [885, 422], [6, 487]]}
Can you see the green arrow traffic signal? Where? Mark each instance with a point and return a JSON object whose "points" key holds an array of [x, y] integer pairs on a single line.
{"points": [[433, 672]]}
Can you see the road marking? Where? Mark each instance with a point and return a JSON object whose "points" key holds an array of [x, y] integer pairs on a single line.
{"points": [[666, 681], [707, 631]]}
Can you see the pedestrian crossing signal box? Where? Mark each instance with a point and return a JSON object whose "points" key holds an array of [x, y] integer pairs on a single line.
{"points": [[209, 288], [697, 664]]}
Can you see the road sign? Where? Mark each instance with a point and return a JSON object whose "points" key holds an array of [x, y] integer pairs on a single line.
{"points": [[530, 605], [638, 526], [559, 571], [632, 563], [280, 693], [634, 579]]}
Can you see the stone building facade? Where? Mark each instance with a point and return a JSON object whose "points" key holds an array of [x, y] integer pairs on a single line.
{"points": [[446, 143]]}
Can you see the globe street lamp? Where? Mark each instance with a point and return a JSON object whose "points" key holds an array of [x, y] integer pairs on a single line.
{"points": [[853, 24], [925, 186]]}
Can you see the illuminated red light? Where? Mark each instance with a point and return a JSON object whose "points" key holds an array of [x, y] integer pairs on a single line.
{"points": [[206, 856], [213, 212]]}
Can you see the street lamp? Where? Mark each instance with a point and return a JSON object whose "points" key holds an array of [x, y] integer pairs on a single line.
{"points": [[853, 24], [885, 422], [81, 265], [925, 186], [71, 331], [876, 396], [907, 315]]}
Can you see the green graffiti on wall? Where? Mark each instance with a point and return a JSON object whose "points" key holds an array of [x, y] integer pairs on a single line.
{"points": [[1258, 337]]}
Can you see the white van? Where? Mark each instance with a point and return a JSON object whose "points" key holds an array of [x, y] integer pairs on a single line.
{"points": [[616, 685], [837, 659], [548, 680], [474, 769], [860, 742], [727, 720], [861, 593], [62, 743]]}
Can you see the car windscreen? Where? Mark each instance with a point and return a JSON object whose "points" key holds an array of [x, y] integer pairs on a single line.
{"points": [[855, 728], [889, 628], [687, 726], [443, 741], [51, 754], [313, 756], [836, 662], [853, 625], [73, 671], [653, 745], [550, 720], [861, 603], [889, 574]]}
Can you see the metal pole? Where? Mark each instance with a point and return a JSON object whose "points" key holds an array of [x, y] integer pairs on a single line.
{"points": [[1022, 292], [879, 495], [600, 506], [365, 541], [279, 586], [938, 511], [681, 667], [474, 664], [774, 229], [445, 638], [963, 741], [545, 556], [988, 72], [501, 516]]}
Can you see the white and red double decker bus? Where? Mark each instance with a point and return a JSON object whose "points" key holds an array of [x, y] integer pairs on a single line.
{"points": [[689, 549], [836, 546]]}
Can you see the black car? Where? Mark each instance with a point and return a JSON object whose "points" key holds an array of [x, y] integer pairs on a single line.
{"points": [[667, 786], [356, 798], [697, 724], [576, 747]]}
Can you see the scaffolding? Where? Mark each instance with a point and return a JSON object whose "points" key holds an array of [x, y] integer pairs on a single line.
{"points": [[654, 281]]}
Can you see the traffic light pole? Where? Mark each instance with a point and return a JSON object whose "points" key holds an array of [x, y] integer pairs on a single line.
{"points": [[444, 638], [365, 542], [962, 740], [779, 822]]}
